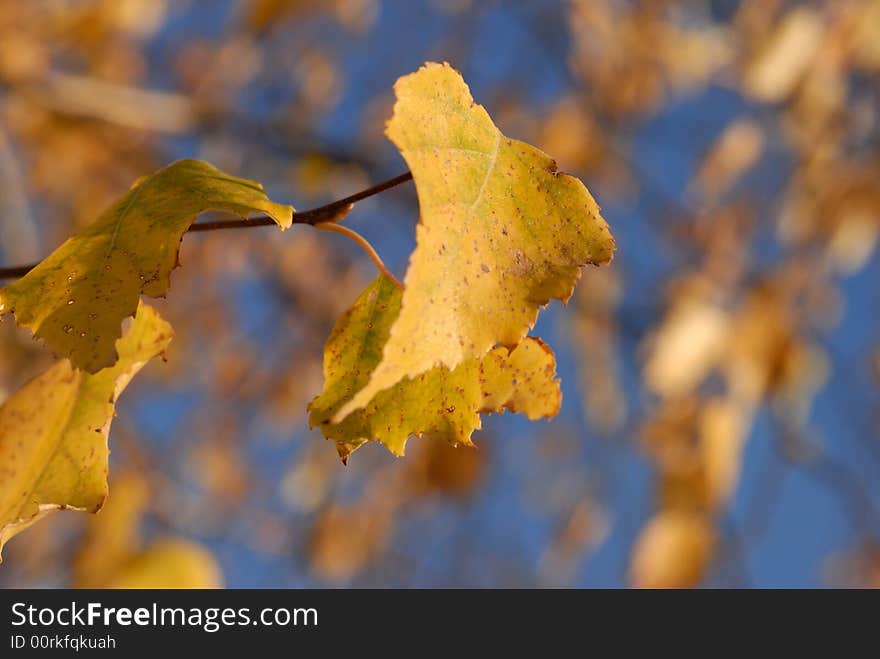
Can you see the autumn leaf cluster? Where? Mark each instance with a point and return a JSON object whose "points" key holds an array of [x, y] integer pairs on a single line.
{"points": [[501, 234]]}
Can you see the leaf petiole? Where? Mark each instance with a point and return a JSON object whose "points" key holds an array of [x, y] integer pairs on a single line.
{"points": [[364, 244]]}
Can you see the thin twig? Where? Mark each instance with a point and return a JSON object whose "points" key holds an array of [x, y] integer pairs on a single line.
{"points": [[328, 213]]}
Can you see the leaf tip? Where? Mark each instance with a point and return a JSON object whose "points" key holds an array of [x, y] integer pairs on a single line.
{"points": [[343, 450], [283, 216]]}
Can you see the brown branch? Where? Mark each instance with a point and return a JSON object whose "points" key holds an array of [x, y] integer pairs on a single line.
{"points": [[332, 212]]}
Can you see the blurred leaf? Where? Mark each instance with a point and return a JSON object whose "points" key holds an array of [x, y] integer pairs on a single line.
{"points": [[169, 563], [673, 550], [77, 298], [344, 540], [112, 536], [786, 57], [53, 431], [309, 480], [857, 567], [112, 553], [439, 403], [594, 330], [736, 150], [854, 238], [572, 135], [438, 468], [866, 37], [629, 53], [355, 15], [220, 469], [583, 529], [723, 427], [687, 346], [501, 233]]}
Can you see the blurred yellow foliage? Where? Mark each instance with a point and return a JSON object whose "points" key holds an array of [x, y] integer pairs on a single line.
{"points": [[112, 553], [673, 550]]}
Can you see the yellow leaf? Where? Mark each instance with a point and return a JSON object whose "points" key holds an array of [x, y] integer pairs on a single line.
{"points": [[501, 233], [440, 402], [687, 346], [735, 151], [853, 240], [77, 298], [53, 431], [169, 563], [786, 57], [521, 380], [723, 429], [673, 550]]}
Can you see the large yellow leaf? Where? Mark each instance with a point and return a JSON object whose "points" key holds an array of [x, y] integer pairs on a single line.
{"points": [[440, 403], [53, 431], [77, 298], [501, 232]]}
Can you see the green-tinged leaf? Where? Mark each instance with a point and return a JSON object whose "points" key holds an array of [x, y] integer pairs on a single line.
{"points": [[77, 298], [501, 233], [440, 402], [53, 431]]}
